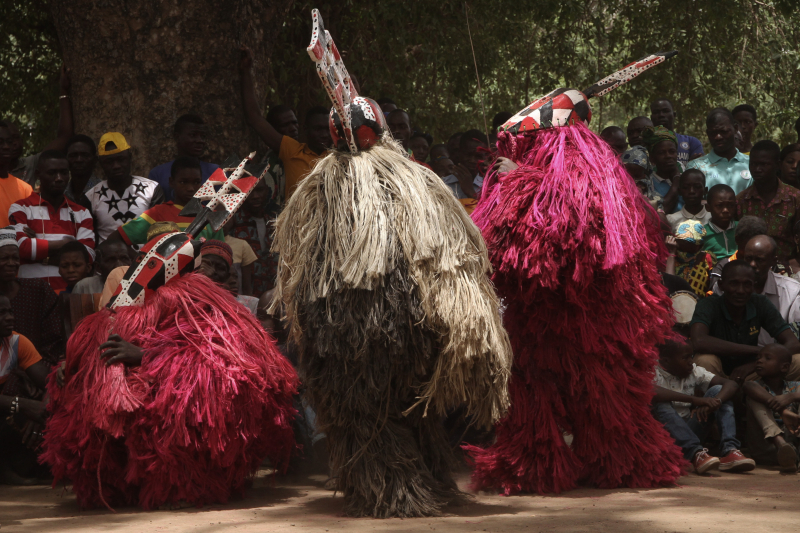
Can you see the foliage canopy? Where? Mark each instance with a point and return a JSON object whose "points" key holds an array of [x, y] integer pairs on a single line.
{"points": [[418, 53]]}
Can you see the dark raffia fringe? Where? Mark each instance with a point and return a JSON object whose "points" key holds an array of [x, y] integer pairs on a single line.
{"points": [[361, 375]]}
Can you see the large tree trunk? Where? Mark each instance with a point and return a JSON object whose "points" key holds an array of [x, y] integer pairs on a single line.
{"points": [[138, 66]]}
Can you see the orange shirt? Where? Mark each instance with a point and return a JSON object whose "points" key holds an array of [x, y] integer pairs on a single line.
{"points": [[298, 160], [16, 351], [469, 204], [12, 190]]}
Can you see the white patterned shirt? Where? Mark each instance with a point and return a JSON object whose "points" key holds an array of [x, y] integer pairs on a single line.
{"points": [[699, 378], [111, 210]]}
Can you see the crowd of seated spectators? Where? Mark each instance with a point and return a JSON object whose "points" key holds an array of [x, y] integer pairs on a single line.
{"points": [[73, 217]]}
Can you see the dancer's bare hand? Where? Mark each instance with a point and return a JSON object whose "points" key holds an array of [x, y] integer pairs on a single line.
{"points": [[504, 165], [61, 375], [120, 351]]}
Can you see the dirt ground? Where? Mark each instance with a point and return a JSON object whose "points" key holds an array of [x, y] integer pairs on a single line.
{"points": [[763, 500]]}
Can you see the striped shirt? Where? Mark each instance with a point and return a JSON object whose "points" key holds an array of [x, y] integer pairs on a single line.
{"points": [[70, 220]]}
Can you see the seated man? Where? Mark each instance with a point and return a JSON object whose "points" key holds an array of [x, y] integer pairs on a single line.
{"points": [[726, 328], [768, 398], [783, 292], [26, 415], [36, 310], [686, 396]]}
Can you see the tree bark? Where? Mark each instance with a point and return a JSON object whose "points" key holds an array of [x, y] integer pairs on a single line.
{"points": [[138, 66]]}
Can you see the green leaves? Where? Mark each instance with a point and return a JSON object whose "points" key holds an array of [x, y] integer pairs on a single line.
{"points": [[418, 53]]}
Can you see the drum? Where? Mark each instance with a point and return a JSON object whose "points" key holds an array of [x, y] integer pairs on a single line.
{"points": [[683, 304]]}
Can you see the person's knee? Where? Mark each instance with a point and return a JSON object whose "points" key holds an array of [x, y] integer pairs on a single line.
{"points": [[712, 392], [664, 411]]}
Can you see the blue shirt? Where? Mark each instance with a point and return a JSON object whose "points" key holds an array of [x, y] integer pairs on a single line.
{"points": [[735, 172], [657, 189], [687, 147], [161, 173]]}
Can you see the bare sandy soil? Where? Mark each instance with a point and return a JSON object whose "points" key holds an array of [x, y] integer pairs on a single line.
{"points": [[763, 500]]}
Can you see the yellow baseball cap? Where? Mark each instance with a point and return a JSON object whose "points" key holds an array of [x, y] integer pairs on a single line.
{"points": [[117, 141]]}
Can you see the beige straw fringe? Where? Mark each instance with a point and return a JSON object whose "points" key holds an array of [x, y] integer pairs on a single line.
{"points": [[357, 218]]}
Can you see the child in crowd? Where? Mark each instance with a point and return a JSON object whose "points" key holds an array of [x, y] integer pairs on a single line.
{"points": [[243, 259], [770, 399], [720, 237], [693, 190], [691, 263], [74, 264], [110, 255], [686, 398], [250, 302]]}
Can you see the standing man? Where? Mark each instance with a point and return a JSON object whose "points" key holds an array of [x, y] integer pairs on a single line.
{"points": [[769, 198], [47, 220], [783, 292], [122, 197], [399, 124], [745, 116], [615, 138], [24, 168], [190, 141], [636, 127], [724, 164], [662, 114], [298, 158], [82, 160], [11, 188]]}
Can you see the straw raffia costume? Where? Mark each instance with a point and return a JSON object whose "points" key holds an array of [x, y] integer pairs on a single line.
{"points": [[384, 281]]}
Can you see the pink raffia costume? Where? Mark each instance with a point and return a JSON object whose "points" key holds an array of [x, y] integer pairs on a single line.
{"points": [[211, 399], [574, 249]]}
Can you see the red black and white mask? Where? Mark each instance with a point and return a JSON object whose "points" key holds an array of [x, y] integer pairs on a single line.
{"points": [[366, 120], [163, 258], [565, 107]]}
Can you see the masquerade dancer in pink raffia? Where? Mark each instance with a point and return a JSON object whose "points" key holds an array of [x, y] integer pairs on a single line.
{"points": [[575, 249], [174, 394]]}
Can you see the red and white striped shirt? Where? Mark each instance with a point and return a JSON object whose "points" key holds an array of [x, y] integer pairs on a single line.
{"points": [[69, 220]]}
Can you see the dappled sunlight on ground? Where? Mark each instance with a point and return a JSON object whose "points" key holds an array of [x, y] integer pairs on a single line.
{"points": [[723, 502]]}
